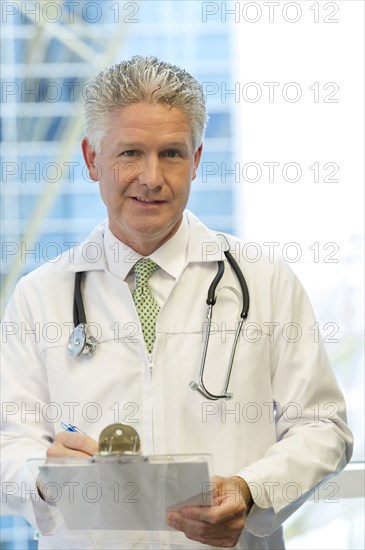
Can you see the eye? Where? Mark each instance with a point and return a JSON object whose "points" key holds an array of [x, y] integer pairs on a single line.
{"points": [[130, 153], [172, 153]]}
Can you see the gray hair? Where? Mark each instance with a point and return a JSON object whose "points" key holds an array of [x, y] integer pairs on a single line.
{"points": [[142, 79]]}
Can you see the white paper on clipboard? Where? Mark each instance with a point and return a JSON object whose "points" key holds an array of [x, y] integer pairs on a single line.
{"points": [[125, 496]]}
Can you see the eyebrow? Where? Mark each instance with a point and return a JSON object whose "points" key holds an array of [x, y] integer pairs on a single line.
{"points": [[133, 144], [128, 144]]}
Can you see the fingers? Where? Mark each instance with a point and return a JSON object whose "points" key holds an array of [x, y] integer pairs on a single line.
{"points": [[214, 514], [72, 444], [225, 534], [227, 499], [218, 525]]}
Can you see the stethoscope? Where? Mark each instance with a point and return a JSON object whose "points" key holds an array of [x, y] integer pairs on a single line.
{"points": [[81, 343]]}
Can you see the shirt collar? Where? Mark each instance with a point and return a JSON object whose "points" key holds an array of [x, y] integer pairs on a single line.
{"points": [[171, 256], [102, 250]]}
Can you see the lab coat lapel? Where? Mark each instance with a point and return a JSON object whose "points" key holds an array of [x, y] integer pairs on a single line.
{"points": [[90, 255], [117, 304], [204, 245]]}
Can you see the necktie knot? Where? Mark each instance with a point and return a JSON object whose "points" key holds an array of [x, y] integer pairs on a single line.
{"points": [[146, 305], [143, 270]]}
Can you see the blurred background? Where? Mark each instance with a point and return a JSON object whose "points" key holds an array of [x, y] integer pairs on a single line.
{"points": [[282, 164]]}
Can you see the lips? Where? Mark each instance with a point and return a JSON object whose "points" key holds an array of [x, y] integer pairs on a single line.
{"points": [[147, 201]]}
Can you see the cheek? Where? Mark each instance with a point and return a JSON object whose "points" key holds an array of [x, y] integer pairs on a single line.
{"points": [[103, 193], [128, 172], [183, 195], [109, 181], [120, 174], [108, 190]]}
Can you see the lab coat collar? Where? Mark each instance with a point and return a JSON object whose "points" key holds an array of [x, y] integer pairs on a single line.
{"points": [[204, 245], [90, 254]]}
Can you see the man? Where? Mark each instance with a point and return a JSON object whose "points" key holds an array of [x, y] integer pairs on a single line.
{"points": [[284, 430]]}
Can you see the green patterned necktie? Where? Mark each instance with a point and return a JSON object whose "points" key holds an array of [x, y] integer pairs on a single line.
{"points": [[146, 305]]}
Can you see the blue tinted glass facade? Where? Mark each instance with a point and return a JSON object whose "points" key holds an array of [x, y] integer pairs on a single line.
{"points": [[44, 76], [44, 102]]}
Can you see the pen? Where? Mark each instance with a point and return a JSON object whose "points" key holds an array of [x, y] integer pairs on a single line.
{"points": [[71, 428], [68, 428]]}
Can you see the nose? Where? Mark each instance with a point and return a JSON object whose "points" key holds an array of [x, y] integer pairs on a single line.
{"points": [[150, 172]]}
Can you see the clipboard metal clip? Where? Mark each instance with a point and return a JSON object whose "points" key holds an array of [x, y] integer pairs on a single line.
{"points": [[119, 443]]}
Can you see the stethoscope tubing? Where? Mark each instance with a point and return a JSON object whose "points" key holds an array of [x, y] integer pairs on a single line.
{"points": [[79, 316], [245, 294], [80, 343], [211, 299]]}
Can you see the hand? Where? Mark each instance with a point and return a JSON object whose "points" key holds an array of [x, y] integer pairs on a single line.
{"points": [[222, 523], [72, 444], [65, 444]]}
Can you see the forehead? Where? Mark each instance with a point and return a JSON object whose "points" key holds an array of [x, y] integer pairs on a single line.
{"points": [[145, 120]]}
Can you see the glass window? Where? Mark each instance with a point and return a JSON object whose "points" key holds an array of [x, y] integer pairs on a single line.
{"points": [[151, 12], [145, 45], [217, 168], [214, 46], [27, 203], [204, 203], [219, 125], [16, 534], [91, 203], [327, 525]]}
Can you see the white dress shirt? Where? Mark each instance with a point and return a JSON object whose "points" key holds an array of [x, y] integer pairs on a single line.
{"points": [[171, 258]]}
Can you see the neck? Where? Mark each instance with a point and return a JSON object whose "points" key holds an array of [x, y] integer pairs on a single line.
{"points": [[143, 246]]}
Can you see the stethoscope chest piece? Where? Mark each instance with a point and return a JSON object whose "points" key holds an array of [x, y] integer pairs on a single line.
{"points": [[79, 343]]}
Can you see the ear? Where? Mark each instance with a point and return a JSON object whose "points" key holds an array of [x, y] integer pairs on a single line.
{"points": [[89, 157], [197, 157]]}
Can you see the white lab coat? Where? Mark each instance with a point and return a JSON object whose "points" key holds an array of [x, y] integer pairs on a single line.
{"points": [[282, 455]]}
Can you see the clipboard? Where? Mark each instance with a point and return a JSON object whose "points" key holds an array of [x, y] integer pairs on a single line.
{"points": [[120, 489]]}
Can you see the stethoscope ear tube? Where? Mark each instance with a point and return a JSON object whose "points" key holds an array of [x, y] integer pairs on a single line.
{"points": [[211, 298], [242, 282], [78, 310]]}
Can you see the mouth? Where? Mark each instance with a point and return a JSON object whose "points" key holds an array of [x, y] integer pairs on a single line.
{"points": [[147, 201]]}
